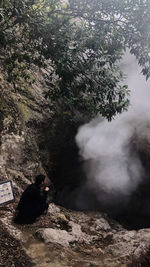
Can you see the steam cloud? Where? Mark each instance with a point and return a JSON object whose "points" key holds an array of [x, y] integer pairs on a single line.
{"points": [[111, 162]]}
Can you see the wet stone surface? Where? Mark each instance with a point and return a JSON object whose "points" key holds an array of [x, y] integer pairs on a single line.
{"points": [[69, 238]]}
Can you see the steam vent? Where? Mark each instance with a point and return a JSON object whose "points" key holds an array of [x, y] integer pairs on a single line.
{"points": [[117, 179], [110, 162], [136, 215]]}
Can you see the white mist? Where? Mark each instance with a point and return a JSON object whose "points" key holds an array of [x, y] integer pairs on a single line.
{"points": [[112, 166]]}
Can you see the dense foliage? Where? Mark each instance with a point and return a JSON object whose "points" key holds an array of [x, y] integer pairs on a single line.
{"points": [[80, 43]]}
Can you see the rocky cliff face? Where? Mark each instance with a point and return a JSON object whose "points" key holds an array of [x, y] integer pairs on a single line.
{"points": [[61, 237], [24, 116]]}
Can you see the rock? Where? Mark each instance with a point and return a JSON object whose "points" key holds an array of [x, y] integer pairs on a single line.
{"points": [[62, 237], [79, 235], [130, 243], [100, 225], [55, 236], [53, 209], [62, 218], [13, 231]]}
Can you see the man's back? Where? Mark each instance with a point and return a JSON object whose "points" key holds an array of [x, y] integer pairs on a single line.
{"points": [[31, 204]]}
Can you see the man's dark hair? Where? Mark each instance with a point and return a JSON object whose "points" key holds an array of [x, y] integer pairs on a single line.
{"points": [[39, 179]]}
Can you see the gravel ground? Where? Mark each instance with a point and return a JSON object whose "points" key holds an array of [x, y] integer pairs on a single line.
{"points": [[11, 252], [142, 261]]}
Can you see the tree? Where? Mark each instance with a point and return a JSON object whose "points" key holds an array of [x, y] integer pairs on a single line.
{"points": [[80, 43]]}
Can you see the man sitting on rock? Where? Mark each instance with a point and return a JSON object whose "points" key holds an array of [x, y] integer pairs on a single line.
{"points": [[32, 202]]}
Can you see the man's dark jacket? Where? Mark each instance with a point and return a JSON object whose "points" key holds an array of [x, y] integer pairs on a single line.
{"points": [[31, 205]]}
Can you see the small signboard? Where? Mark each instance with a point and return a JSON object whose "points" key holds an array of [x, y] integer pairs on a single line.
{"points": [[6, 192]]}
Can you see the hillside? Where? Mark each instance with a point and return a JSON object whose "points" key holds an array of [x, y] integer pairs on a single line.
{"points": [[61, 237]]}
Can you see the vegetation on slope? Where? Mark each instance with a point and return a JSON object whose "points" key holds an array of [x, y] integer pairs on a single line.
{"points": [[80, 43]]}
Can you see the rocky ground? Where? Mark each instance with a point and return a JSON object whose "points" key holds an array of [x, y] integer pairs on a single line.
{"points": [[69, 238], [12, 252]]}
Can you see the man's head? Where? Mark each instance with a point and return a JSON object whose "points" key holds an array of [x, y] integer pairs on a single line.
{"points": [[40, 179]]}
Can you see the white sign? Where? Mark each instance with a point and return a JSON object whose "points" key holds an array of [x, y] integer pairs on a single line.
{"points": [[6, 192]]}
